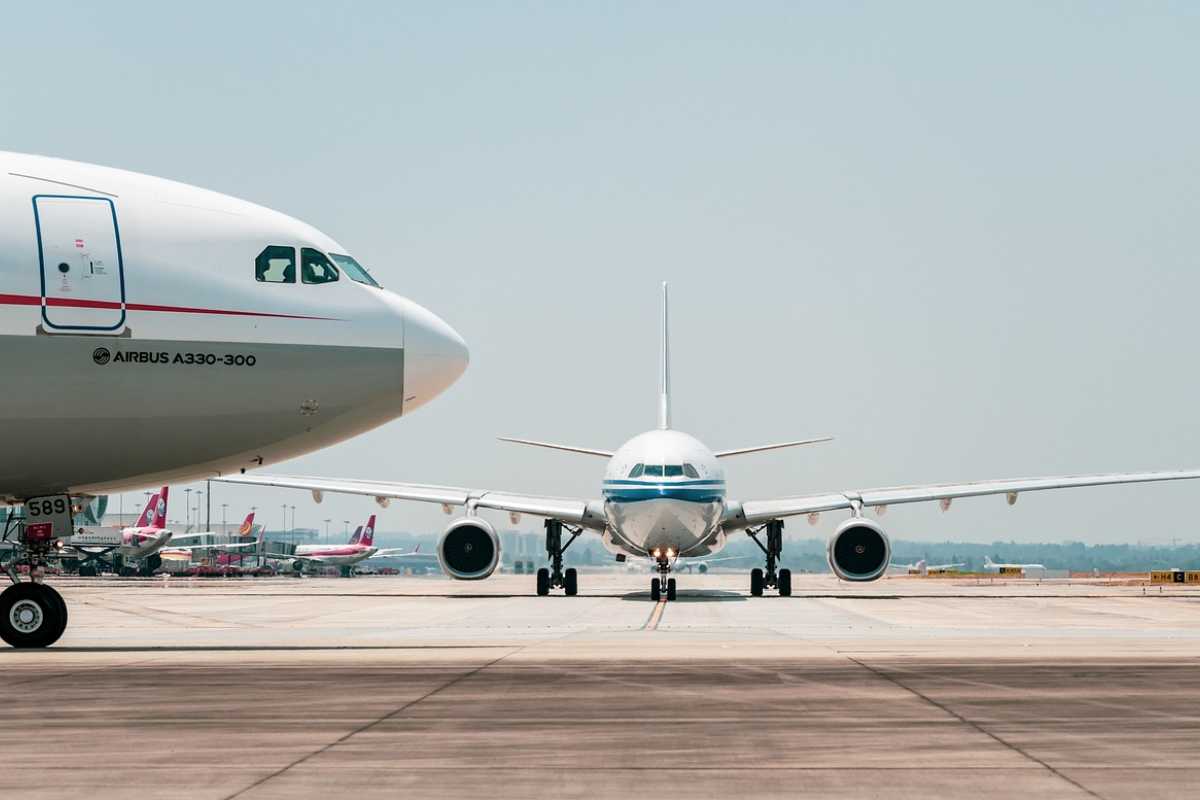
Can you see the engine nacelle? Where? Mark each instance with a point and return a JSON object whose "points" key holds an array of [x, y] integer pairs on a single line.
{"points": [[859, 550], [469, 549]]}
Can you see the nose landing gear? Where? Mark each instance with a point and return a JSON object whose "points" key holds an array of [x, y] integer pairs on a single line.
{"points": [[662, 584], [770, 578], [31, 613], [556, 577]]}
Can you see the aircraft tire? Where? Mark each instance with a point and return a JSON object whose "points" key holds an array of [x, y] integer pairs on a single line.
{"points": [[785, 583], [670, 588], [655, 589], [571, 582], [756, 582], [31, 615], [543, 582]]}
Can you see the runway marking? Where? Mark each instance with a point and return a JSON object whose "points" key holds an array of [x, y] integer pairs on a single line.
{"points": [[368, 726], [976, 726], [655, 616]]}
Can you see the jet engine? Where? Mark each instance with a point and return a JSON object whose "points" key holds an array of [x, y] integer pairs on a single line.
{"points": [[469, 549], [859, 550]]}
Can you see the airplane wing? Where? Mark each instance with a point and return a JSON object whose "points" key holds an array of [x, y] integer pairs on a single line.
{"points": [[238, 546], [567, 509], [399, 552], [756, 511]]}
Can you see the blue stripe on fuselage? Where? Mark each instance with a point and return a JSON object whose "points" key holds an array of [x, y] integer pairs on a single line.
{"points": [[691, 494]]}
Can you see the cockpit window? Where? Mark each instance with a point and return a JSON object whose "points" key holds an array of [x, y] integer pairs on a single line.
{"points": [[276, 264], [354, 271], [636, 472], [315, 267], [654, 470], [674, 470], [690, 471]]}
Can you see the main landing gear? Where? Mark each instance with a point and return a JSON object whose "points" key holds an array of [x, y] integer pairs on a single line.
{"points": [[662, 584], [31, 613], [770, 579], [555, 577]]}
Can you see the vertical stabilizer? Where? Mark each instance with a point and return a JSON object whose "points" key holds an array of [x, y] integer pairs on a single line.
{"points": [[368, 533], [160, 509], [664, 367], [147, 517]]}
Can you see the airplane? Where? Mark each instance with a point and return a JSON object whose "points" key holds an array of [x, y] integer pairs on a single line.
{"points": [[141, 542], [190, 332], [663, 496], [921, 568], [1013, 569], [245, 530]]}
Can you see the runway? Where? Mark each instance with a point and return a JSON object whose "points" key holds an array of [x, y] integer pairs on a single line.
{"points": [[420, 687]]}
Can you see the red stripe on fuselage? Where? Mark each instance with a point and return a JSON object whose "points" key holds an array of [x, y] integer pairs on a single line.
{"points": [[71, 302]]}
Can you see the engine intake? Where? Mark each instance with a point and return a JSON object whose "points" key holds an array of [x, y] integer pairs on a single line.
{"points": [[859, 551], [469, 549]]}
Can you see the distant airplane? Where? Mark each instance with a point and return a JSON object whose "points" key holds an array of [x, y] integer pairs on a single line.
{"points": [[663, 496], [246, 529], [921, 568], [360, 547], [141, 542], [170, 333], [1012, 569]]}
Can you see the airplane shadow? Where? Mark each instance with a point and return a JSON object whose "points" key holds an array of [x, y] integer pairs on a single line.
{"points": [[690, 596]]}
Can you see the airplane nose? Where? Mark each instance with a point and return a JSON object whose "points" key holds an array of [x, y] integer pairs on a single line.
{"points": [[434, 356]]}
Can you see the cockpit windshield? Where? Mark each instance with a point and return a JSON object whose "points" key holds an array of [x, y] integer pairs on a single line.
{"points": [[354, 271]]}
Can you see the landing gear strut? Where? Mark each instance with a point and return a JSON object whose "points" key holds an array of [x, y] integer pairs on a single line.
{"points": [[31, 613], [556, 577], [662, 584], [773, 549]]}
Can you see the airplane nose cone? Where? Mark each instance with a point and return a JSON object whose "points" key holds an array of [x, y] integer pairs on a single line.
{"points": [[434, 356]]}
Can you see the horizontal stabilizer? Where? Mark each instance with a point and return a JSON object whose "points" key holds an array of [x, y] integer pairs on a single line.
{"points": [[552, 446], [775, 446]]}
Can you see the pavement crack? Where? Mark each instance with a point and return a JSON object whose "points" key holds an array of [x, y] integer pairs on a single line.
{"points": [[372, 724], [976, 726]]}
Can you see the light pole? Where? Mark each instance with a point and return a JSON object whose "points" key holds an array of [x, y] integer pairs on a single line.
{"points": [[327, 530], [187, 506], [285, 529], [346, 534], [294, 525], [224, 528], [199, 494]]}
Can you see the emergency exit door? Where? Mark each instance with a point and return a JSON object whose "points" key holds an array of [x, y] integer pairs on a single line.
{"points": [[79, 249]]}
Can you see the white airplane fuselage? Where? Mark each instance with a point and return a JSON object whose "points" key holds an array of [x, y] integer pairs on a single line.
{"points": [[649, 510], [158, 331]]}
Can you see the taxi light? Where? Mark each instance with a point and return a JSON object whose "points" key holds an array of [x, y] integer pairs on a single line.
{"points": [[670, 553]]}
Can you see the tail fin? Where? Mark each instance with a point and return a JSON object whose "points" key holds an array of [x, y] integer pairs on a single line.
{"points": [[247, 528], [368, 532], [987, 561], [160, 509], [664, 367], [147, 515], [354, 537]]}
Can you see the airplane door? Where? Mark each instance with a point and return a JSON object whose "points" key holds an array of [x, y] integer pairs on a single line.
{"points": [[79, 250]]}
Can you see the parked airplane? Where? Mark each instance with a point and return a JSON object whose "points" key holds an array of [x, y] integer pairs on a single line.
{"points": [[188, 331], [663, 496], [245, 530], [1032, 570], [140, 546]]}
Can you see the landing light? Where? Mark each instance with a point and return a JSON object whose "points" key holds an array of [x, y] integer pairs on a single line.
{"points": [[657, 553], [670, 553]]}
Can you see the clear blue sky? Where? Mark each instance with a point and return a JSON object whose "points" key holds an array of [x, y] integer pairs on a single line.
{"points": [[961, 238]]}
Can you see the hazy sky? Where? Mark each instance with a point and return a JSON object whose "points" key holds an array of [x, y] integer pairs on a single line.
{"points": [[964, 240]]}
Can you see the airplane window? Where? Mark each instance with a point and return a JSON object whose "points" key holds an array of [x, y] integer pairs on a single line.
{"points": [[354, 270], [674, 470], [654, 470], [315, 267], [690, 471], [276, 264], [636, 472]]}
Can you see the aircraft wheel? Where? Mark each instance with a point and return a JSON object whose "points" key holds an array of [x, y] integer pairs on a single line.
{"points": [[655, 589], [670, 588], [785, 583], [31, 615], [756, 582], [543, 582], [571, 582]]}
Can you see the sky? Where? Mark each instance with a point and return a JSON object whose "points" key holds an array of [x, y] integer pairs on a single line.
{"points": [[960, 238]]}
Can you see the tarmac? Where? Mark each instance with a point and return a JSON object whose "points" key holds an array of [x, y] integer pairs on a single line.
{"points": [[426, 688]]}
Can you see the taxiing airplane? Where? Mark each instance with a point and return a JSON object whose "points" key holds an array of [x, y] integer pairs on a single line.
{"points": [[191, 333], [663, 496], [1013, 569], [922, 568]]}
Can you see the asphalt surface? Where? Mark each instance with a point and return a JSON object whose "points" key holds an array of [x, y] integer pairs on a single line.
{"points": [[420, 687]]}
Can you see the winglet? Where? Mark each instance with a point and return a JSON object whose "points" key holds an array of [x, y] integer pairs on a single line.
{"points": [[664, 366]]}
